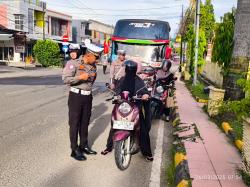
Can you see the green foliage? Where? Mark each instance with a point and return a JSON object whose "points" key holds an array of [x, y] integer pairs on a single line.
{"points": [[198, 90], [190, 38], [47, 53], [239, 108], [207, 23], [171, 168], [202, 48], [207, 19], [223, 41], [237, 126], [246, 177]]}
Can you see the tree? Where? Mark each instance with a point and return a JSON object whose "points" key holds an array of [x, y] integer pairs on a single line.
{"points": [[223, 41], [241, 52], [47, 53], [207, 23], [207, 19], [190, 38]]}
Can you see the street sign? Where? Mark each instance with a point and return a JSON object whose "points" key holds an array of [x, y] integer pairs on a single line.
{"points": [[65, 48], [20, 49], [65, 38]]}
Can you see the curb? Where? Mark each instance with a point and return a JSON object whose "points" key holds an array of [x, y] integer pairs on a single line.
{"points": [[231, 134], [199, 100], [182, 175]]}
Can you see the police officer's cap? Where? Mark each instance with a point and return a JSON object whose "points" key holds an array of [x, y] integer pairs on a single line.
{"points": [[92, 48], [121, 51]]}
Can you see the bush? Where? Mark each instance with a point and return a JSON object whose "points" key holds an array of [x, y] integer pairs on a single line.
{"points": [[198, 90], [239, 108], [47, 53]]}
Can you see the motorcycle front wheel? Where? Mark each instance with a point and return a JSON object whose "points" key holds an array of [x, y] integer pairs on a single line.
{"points": [[122, 153]]}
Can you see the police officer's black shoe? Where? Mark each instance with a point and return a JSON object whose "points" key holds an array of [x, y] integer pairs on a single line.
{"points": [[78, 155], [88, 151]]}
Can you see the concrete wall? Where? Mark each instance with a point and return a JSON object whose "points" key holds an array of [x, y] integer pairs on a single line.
{"points": [[212, 71], [3, 15]]}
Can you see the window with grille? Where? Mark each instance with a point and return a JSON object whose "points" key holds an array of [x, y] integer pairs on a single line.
{"points": [[19, 21]]}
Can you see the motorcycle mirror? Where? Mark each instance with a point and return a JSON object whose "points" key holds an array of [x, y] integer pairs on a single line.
{"points": [[107, 85]]}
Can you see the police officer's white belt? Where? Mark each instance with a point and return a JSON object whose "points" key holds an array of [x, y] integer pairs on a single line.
{"points": [[82, 92]]}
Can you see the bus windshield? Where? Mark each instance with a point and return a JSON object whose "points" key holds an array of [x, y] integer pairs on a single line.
{"points": [[145, 53], [142, 29]]}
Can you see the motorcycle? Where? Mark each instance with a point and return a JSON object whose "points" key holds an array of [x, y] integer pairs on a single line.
{"points": [[162, 89], [148, 75], [125, 122]]}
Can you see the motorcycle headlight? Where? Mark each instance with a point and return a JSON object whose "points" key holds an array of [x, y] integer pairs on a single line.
{"points": [[124, 108], [159, 89]]}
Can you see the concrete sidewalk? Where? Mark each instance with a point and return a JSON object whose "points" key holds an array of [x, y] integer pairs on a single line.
{"points": [[212, 161]]}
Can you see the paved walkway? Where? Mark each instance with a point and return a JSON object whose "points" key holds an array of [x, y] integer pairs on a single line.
{"points": [[212, 161]]}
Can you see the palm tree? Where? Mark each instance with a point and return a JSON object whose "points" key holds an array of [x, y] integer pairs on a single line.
{"points": [[241, 51]]}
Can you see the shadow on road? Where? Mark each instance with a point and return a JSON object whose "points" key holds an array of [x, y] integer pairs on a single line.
{"points": [[99, 127], [97, 111], [32, 81], [66, 177]]}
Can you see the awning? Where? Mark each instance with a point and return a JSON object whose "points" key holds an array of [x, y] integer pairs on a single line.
{"points": [[6, 37]]}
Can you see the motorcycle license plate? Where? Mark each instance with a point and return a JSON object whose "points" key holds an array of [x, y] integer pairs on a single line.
{"points": [[123, 125]]}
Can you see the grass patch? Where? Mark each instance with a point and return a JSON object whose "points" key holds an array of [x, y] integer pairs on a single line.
{"points": [[245, 177], [198, 90], [236, 124], [171, 168]]}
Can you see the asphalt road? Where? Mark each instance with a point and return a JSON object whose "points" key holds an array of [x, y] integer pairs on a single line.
{"points": [[34, 140]]}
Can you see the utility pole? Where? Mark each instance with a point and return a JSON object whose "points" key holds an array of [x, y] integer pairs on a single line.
{"points": [[196, 40], [181, 55], [43, 21]]}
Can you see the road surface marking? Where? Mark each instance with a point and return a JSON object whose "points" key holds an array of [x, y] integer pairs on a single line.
{"points": [[155, 179]]}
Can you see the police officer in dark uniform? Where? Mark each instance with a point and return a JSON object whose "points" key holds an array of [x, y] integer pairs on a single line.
{"points": [[80, 74]]}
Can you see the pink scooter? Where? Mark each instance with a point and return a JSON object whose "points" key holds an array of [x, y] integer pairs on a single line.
{"points": [[126, 125]]}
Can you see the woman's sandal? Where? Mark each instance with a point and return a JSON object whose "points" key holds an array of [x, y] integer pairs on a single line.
{"points": [[106, 151], [149, 158]]}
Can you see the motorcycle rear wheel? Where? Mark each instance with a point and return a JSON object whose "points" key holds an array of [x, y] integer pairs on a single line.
{"points": [[122, 155]]}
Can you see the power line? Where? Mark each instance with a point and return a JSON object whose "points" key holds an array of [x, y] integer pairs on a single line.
{"points": [[102, 14], [119, 10], [85, 5], [123, 14]]}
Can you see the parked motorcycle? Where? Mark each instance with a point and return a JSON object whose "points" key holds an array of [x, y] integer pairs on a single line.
{"points": [[162, 89]]}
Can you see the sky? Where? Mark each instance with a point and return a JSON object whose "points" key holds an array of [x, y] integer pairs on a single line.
{"points": [[109, 11]]}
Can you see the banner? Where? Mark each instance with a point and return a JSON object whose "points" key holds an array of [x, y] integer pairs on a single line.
{"points": [[19, 41]]}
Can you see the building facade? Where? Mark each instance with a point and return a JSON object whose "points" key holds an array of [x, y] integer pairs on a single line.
{"points": [[24, 20], [59, 24], [79, 31], [99, 31], [91, 29]]}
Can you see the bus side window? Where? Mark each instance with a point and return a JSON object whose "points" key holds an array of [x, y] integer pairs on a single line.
{"points": [[163, 52]]}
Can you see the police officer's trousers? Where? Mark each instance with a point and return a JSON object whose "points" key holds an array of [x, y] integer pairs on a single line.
{"points": [[79, 116]]}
